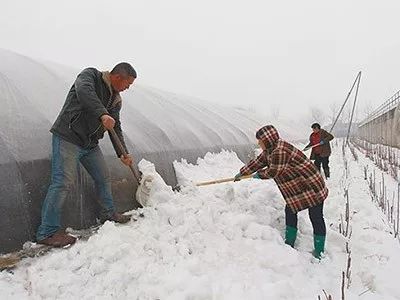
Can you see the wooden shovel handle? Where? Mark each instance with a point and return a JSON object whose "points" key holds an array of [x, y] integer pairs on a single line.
{"points": [[122, 150], [313, 146], [223, 180]]}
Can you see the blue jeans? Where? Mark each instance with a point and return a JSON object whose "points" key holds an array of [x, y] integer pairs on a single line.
{"points": [[65, 159]]}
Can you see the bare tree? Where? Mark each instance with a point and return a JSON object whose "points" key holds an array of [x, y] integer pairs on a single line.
{"points": [[275, 112], [317, 115], [346, 115], [367, 109], [333, 111]]}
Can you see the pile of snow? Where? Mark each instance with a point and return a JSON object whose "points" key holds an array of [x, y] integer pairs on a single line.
{"points": [[219, 242]]}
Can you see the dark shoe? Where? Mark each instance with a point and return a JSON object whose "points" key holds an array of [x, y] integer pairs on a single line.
{"points": [[59, 239], [119, 218]]}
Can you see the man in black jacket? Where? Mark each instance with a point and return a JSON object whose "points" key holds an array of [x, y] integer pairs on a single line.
{"points": [[92, 106]]}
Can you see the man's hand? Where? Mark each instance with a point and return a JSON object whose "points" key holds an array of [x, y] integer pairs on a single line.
{"points": [[126, 159], [107, 121]]}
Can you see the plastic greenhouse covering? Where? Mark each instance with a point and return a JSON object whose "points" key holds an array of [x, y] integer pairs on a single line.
{"points": [[158, 126]]}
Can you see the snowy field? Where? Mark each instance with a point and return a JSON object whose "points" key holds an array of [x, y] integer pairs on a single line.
{"points": [[222, 242]]}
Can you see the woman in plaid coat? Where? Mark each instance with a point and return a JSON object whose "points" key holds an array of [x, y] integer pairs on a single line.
{"points": [[297, 178]]}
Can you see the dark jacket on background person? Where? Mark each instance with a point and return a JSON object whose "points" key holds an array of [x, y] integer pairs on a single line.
{"points": [[90, 97], [297, 178], [323, 150]]}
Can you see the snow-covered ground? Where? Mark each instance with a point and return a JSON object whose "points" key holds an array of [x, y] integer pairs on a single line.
{"points": [[222, 242]]}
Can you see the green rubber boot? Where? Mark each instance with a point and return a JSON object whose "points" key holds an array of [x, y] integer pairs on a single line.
{"points": [[290, 235], [319, 245]]}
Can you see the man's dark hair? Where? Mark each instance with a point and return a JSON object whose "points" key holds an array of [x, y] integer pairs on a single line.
{"points": [[316, 126], [124, 69]]}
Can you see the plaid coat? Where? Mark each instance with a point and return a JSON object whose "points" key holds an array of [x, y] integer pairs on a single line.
{"points": [[298, 179]]}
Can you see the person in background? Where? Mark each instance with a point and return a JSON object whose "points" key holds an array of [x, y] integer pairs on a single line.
{"points": [[299, 181], [321, 148], [92, 107]]}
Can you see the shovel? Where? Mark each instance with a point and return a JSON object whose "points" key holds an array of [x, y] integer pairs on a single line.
{"points": [[310, 147], [222, 180], [121, 148], [143, 191]]}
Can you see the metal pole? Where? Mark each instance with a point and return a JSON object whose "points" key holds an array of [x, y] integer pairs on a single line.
{"points": [[354, 107], [347, 98]]}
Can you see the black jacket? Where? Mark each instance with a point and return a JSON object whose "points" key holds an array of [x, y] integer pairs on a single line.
{"points": [[90, 97]]}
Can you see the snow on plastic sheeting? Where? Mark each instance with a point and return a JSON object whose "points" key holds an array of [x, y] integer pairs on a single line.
{"points": [[187, 173], [152, 120], [22, 125], [43, 85]]}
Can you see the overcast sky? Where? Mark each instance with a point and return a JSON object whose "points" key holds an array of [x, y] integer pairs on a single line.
{"points": [[263, 54]]}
